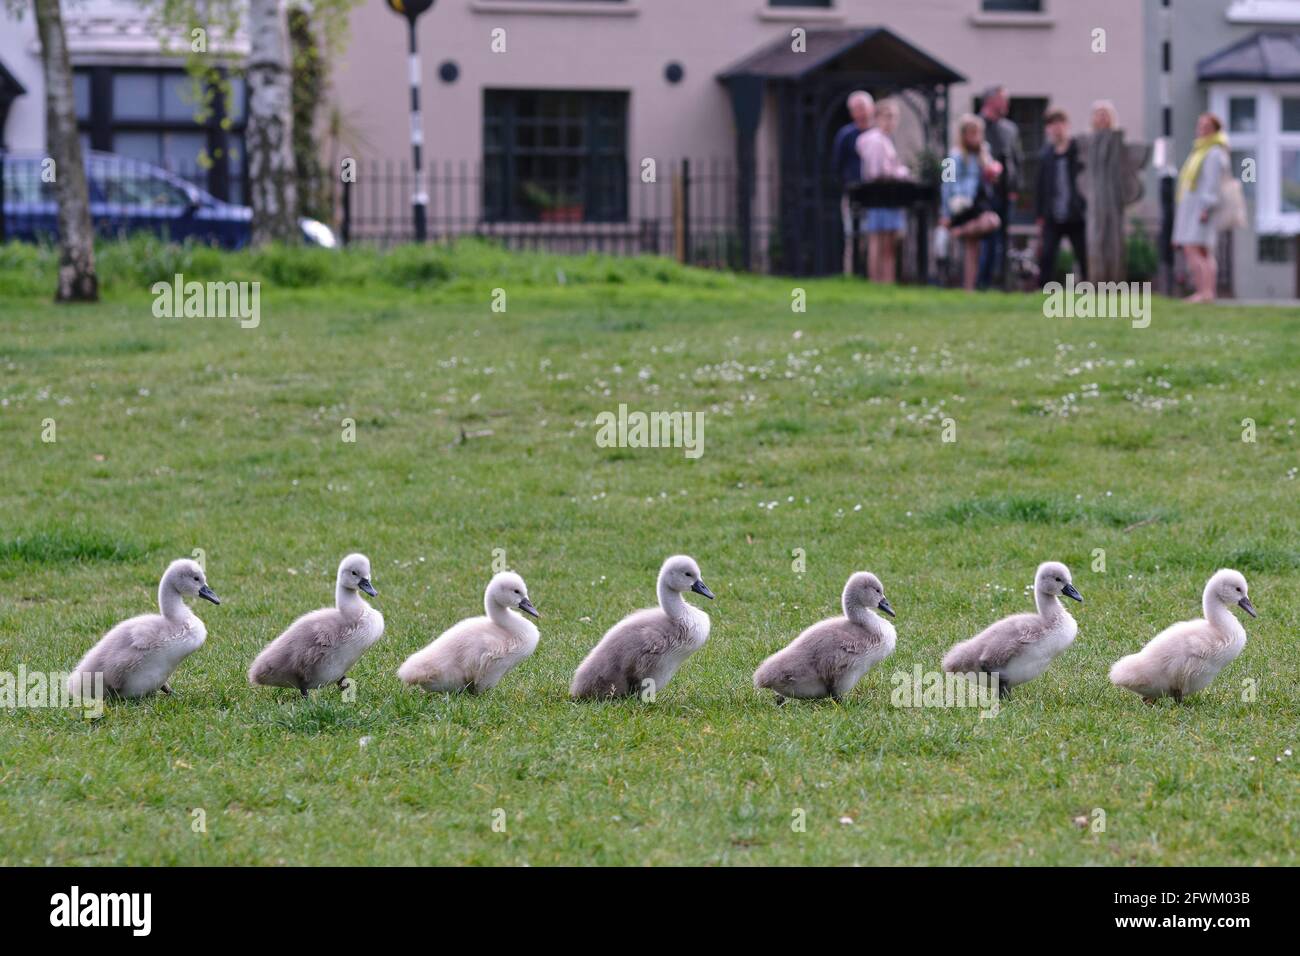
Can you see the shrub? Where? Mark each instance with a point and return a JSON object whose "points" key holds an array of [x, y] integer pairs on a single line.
{"points": [[1141, 255]]}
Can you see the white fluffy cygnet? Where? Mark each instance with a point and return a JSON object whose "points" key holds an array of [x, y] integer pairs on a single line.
{"points": [[1183, 658], [476, 653], [138, 656]]}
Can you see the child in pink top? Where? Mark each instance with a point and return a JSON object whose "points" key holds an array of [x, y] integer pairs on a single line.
{"points": [[880, 161]]}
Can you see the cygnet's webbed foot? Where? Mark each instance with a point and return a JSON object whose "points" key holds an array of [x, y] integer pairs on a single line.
{"points": [[343, 682], [166, 689], [1177, 695], [779, 700]]}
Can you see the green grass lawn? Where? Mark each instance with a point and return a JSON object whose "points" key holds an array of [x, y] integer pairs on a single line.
{"points": [[475, 431]]}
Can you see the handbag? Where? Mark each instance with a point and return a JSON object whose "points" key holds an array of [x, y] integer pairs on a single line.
{"points": [[978, 206], [1230, 211]]}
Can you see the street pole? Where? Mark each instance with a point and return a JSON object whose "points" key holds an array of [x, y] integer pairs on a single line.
{"points": [[411, 10], [419, 198]]}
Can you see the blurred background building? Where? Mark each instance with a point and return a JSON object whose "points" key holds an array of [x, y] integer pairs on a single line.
{"points": [[702, 129]]}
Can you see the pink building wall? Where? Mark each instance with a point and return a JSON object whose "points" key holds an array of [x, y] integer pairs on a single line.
{"points": [[626, 46]]}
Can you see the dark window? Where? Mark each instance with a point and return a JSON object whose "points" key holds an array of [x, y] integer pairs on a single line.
{"points": [[1291, 114], [1276, 249], [554, 156], [156, 116], [1027, 113], [81, 95], [1241, 115], [1013, 6]]}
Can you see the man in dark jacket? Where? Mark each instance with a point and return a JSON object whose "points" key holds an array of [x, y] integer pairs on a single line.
{"points": [[1061, 208], [848, 165], [1003, 138]]}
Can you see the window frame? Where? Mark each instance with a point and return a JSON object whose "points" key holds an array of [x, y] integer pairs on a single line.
{"points": [[101, 124], [501, 163], [1267, 144]]}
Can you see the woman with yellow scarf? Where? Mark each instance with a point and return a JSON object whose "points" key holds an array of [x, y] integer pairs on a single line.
{"points": [[1200, 190]]}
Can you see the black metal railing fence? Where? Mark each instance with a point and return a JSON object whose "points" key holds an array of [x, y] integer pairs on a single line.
{"points": [[683, 209]]}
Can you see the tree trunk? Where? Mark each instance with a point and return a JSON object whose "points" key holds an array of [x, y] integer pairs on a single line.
{"points": [[77, 281], [269, 135]]}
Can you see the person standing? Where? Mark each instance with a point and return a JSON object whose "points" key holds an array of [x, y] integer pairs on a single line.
{"points": [[848, 165], [1200, 190], [967, 206], [1112, 180], [880, 161], [1003, 139], [1060, 205]]}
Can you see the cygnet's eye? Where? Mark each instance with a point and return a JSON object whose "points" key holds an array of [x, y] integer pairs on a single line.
{"points": [[516, 590]]}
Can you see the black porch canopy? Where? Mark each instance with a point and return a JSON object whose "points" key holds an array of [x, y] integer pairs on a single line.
{"points": [[811, 81], [10, 90]]}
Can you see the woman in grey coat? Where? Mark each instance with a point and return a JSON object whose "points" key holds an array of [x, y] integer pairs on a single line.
{"points": [[1200, 190], [1111, 181]]}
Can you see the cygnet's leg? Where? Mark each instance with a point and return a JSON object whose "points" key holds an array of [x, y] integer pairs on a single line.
{"points": [[1004, 689], [343, 682], [779, 700], [166, 688], [1177, 695], [304, 691]]}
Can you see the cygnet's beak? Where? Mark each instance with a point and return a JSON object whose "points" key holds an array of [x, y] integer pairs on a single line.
{"points": [[207, 594], [366, 586], [885, 606], [699, 587], [1246, 606], [1071, 591], [526, 606]]}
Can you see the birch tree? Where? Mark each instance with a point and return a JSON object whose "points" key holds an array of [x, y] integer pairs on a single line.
{"points": [[77, 279], [268, 138], [269, 71]]}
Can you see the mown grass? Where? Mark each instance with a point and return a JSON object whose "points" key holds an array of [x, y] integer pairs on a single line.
{"points": [[475, 431]]}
